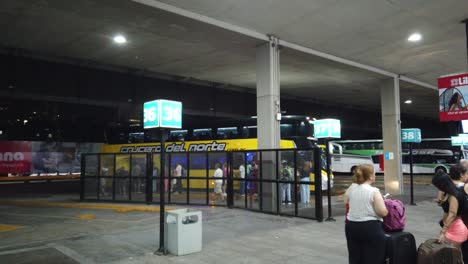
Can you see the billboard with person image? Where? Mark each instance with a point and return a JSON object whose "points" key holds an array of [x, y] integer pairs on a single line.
{"points": [[453, 92]]}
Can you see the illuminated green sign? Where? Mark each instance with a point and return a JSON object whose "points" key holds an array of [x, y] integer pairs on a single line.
{"points": [[162, 113], [327, 128], [411, 135]]}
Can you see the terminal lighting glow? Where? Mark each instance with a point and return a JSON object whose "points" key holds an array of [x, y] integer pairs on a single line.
{"points": [[408, 102], [119, 39], [415, 37]]}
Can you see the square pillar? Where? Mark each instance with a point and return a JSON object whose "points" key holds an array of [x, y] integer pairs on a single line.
{"points": [[391, 134], [268, 127]]}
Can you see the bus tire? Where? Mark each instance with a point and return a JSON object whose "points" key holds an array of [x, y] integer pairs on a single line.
{"points": [[440, 169], [353, 169]]}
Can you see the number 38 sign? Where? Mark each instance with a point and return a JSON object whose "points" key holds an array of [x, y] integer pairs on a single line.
{"points": [[162, 113], [411, 135]]}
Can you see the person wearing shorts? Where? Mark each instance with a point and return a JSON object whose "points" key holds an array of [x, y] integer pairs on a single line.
{"points": [[453, 230]]}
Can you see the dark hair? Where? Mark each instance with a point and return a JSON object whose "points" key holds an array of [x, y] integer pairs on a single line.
{"points": [[363, 173], [443, 182], [453, 99], [456, 171]]}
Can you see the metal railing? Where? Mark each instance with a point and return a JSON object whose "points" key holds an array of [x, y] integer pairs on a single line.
{"points": [[279, 181]]}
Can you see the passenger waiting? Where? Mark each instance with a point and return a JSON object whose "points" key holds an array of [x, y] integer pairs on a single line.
{"points": [[304, 174], [218, 181], [286, 175], [365, 235]]}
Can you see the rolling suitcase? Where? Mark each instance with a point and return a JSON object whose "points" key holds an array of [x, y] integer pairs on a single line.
{"points": [[432, 252], [401, 248]]}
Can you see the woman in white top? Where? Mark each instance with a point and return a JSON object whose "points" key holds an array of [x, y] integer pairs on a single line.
{"points": [[364, 230]]}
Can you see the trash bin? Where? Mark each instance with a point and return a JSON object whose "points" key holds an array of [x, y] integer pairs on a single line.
{"points": [[183, 231]]}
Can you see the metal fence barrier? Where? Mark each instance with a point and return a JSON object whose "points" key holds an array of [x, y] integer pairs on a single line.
{"points": [[279, 181]]}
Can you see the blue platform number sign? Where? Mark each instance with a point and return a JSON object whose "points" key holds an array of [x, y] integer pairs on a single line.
{"points": [[327, 128], [151, 114], [411, 135], [162, 113]]}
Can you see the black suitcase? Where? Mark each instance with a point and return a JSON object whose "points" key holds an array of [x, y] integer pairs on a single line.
{"points": [[401, 248]]}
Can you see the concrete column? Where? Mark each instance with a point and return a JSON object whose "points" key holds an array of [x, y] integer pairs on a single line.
{"points": [[391, 132], [268, 127], [268, 95]]}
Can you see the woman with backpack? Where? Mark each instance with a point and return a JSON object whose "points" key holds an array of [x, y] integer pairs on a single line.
{"points": [[365, 235], [453, 230]]}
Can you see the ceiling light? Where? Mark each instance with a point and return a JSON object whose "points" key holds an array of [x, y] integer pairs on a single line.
{"points": [[119, 39], [408, 102], [415, 37]]}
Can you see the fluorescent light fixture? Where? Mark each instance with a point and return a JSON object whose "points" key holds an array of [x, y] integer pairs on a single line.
{"points": [[408, 101], [120, 39], [415, 37], [253, 117]]}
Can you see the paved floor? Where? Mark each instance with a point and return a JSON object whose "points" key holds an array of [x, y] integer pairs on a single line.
{"points": [[44, 234]]}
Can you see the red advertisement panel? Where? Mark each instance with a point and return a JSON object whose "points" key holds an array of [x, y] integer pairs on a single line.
{"points": [[15, 157], [453, 97]]}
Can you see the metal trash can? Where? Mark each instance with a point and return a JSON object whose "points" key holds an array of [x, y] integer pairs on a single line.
{"points": [[183, 231]]}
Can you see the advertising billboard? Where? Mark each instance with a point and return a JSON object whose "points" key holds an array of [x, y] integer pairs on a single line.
{"points": [[453, 97], [34, 157]]}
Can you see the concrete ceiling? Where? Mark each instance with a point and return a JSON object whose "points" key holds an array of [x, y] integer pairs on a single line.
{"points": [[368, 31], [372, 32]]}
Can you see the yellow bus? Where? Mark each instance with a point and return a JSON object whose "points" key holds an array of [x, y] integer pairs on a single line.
{"points": [[177, 151]]}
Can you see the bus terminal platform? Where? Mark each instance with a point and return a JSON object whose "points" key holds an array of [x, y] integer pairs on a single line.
{"points": [[127, 233]]}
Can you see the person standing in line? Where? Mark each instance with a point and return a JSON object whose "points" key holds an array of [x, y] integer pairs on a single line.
{"points": [[441, 196], [305, 177], [218, 181], [225, 175], [454, 231], [137, 172], [286, 175], [242, 177], [177, 181], [364, 231]]}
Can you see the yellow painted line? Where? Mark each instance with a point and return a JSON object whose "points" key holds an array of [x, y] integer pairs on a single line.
{"points": [[118, 208], [86, 217], [74, 218], [6, 228]]}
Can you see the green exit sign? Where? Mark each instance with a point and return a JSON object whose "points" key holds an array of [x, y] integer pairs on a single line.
{"points": [[162, 113], [327, 128]]}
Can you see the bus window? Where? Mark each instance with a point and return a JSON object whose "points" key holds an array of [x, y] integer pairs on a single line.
{"points": [[178, 135], [227, 133], [204, 133]]}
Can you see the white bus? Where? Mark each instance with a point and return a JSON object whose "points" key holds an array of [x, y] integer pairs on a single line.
{"points": [[346, 163], [429, 156]]}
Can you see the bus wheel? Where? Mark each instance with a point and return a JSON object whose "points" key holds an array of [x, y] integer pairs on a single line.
{"points": [[353, 169], [440, 169]]}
